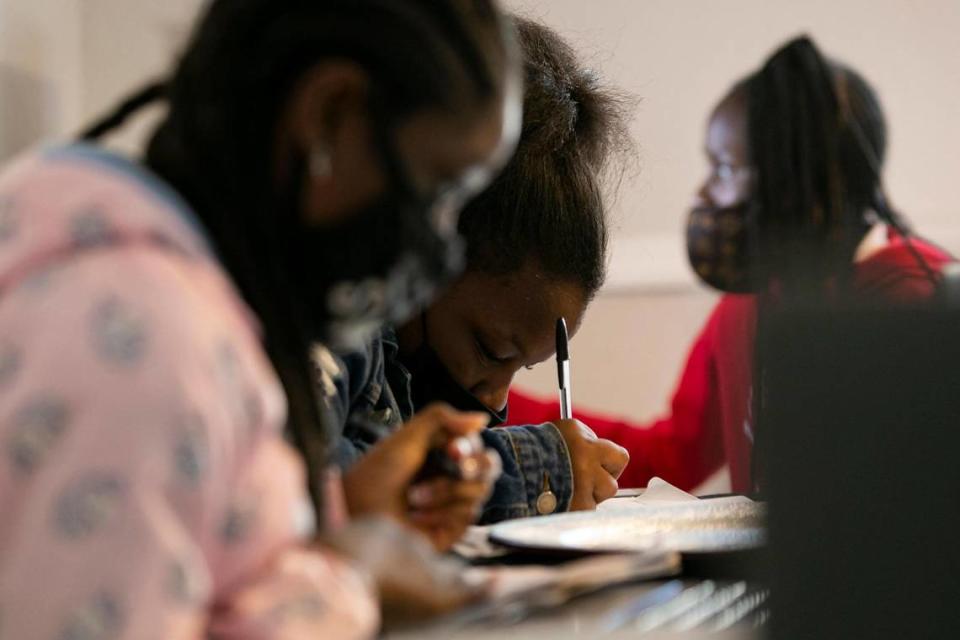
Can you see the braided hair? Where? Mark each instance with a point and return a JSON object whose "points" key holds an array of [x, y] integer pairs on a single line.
{"points": [[817, 139], [225, 98]]}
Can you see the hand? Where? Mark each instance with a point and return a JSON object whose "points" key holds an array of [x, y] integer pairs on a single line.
{"points": [[443, 507], [379, 483], [412, 581], [597, 463]]}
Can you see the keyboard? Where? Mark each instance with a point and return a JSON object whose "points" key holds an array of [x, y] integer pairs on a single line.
{"points": [[704, 606]]}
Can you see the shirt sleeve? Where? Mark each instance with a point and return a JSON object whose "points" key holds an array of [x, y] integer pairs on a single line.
{"points": [[358, 399], [335, 381], [145, 488], [535, 459]]}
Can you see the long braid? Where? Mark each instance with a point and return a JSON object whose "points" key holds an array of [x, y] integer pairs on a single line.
{"points": [[810, 212], [153, 92], [817, 139]]}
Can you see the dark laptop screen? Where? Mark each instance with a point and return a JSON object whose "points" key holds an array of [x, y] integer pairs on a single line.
{"points": [[859, 443]]}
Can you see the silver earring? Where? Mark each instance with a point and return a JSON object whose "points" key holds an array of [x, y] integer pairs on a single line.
{"points": [[321, 164]]}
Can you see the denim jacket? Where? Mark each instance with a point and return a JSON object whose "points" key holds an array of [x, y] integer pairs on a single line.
{"points": [[367, 393]]}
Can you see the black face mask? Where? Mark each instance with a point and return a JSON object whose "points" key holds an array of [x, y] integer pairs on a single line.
{"points": [[378, 266], [720, 248], [431, 381]]}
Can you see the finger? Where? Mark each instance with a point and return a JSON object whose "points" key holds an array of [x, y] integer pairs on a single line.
{"points": [[583, 499], [463, 447], [423, 589], [455, 423], [484, 466], [406, 449], [441, 538], [446, 538], [493, 466], [604, 487], [576, 429], [437, 536], [440, 421], [439, 495], [431, 493], [457, 516], [614, 458], [589, 433]]}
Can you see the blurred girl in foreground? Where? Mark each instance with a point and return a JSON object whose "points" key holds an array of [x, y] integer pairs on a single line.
{"points": [[155, 319]]}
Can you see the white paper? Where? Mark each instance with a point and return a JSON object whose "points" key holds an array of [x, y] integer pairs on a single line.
{"points": [[660, 492]]}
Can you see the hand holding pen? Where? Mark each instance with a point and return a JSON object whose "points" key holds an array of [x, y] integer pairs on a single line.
{"points": [[596, 463]]}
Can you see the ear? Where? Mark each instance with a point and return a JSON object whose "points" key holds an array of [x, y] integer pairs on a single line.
{"points": [[327, 95], [327, 122]]}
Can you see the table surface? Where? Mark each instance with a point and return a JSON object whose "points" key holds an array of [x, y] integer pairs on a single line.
{"points": [[584, 617]]}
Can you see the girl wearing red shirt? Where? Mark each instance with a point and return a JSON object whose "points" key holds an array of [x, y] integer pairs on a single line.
{"points": [[793, 203]]}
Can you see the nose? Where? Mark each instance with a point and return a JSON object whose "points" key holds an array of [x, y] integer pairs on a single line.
{"points": [[496, 399], [493, 391], [702, 197]]}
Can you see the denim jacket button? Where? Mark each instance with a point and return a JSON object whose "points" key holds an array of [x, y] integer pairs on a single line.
{"points": [[546, 503]]}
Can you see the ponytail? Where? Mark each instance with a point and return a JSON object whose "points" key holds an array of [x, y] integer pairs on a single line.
{"points": [[548, 206], [814, 179]]}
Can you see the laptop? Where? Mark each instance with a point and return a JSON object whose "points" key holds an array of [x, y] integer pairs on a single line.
{"points": [[858, 438]]}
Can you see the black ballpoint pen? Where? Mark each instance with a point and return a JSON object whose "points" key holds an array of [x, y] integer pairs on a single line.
{"points": [[563, 370]]}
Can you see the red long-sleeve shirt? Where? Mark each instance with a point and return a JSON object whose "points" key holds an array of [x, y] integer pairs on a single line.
{"points": [[709, 423]]}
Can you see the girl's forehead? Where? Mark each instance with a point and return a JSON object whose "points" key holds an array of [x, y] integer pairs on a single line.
{"points": [[727, 131], [526, 304]]}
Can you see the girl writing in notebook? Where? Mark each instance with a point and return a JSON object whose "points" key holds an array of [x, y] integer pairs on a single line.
{"points": [[536, 251]]}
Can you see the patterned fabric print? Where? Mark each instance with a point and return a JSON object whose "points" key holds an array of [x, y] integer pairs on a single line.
{"points": [[365, 408], [41, 281], [118, 466], [229, 371], [10, 361], [91, 228], [119, 334], [9, 225], [238, 522], [86, 506], [38, 425], [253, 410], [228, 364], [185, 586], [191, 452], [100, 619]]}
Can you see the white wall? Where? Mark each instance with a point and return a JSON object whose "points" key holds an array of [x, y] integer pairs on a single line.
{"points": [[40, 78], [127, 43], [679, 56], [64, 62]]}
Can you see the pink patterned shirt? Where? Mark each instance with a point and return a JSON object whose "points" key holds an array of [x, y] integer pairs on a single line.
{"points": [[145, 489]]}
